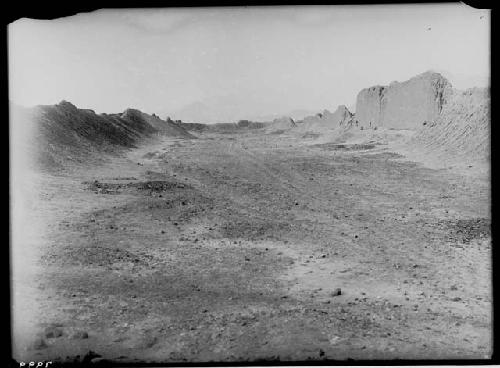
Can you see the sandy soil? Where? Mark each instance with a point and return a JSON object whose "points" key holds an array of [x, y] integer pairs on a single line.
{"points": [[231, 248]]}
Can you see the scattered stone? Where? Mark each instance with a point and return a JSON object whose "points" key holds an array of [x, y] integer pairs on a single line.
{"points": [[336, 292], [80, 335], [53, 332]]}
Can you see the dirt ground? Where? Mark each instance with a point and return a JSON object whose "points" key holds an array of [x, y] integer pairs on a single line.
{"points": [[232, 247]]}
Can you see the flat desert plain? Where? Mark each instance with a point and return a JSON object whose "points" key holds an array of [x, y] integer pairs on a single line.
{"points": [[254, 247]]}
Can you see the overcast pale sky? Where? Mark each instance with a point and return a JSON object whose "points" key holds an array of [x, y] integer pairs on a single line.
{"points": [[241, 61]]}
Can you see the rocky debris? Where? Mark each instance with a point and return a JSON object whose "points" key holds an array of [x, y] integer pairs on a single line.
{"points": [[103, 256], [403, 105], [160, 185], [344, 147], [153, 186], [79, 335], [464, 231]]}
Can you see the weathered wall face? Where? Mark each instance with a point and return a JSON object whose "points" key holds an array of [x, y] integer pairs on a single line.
{"points": [[341, 116], [405, 105], [369, 106]]}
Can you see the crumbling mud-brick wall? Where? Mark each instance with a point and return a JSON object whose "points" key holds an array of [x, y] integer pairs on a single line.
{"points": [[403, 105]]}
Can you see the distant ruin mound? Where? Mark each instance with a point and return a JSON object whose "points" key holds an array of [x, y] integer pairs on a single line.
{"points": [[403, 105], [63, 135], [240, 126], [282, 123], [436, 123], [327, 120]]}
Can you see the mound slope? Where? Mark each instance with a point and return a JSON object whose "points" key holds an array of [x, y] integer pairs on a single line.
{"points": [[462, 131], [163, 127], [62, 135]]}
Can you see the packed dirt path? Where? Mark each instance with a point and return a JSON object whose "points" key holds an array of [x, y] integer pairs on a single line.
{"points": [[232, 248]]}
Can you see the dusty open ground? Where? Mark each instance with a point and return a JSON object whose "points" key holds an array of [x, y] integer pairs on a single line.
{"points": [[230, 248]]}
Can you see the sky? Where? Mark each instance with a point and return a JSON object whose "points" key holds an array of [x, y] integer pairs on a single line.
{"points": [[225, 64]]}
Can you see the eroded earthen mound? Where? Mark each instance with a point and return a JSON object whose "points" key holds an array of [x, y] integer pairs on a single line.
{"points": [[327, 120], [62, 135], [462, 130]]}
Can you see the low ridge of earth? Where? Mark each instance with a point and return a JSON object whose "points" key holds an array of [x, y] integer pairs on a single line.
{"points": [[257, 247]]}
